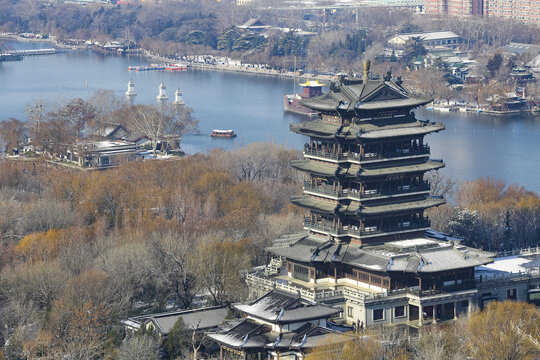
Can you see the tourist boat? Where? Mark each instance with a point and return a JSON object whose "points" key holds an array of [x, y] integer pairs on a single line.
{"points": [[292, 102], [223, 133], [158, 66], [147, 68], [176, 67]]}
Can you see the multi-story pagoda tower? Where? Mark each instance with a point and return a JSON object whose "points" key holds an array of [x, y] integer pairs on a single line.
{"points": [[365, 246], [365, 162]]}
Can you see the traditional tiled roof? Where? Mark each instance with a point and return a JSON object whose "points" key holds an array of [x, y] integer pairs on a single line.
{"points": [[308, 336], [281, 308], [244, 335], [353, 208], [420, 255], [428, 36], [366, 130], [401, 131], [248, 334], [332, 170], [198, 319], [317, 168], [355, 94]]}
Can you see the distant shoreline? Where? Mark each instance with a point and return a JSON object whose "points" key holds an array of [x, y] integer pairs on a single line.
{"points": [[47, 40], [225, 68], [242, 69]]}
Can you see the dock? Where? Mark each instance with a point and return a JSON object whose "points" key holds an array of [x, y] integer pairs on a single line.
{"points": [[32, 52], [17, 55]]}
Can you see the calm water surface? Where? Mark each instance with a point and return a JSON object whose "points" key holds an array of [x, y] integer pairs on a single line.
{"points": [[472, 145]]}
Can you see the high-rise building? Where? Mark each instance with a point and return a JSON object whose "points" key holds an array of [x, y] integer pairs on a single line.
{"points": [[436, 6], [527, 11], [524, 10]]}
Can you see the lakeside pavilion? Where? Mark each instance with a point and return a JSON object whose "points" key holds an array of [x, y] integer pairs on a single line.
{"points": [[365, 246]]}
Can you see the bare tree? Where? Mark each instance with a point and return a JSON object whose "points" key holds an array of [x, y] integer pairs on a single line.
{"points": [[12, 133], [219, 265], [105, 103], [172, 253], [441, 185], [165, 123], [142, 347]]}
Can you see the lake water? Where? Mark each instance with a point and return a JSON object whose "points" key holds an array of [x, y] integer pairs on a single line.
{"points": [[472, 145]]}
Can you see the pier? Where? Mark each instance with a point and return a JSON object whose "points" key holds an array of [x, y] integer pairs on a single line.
{"points": [[17, 55], [31, 52]]}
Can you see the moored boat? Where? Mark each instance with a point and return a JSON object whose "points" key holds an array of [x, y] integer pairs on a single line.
{"points": [[149, 68], [176, 67], [158, 66], [292, 102], [223, 133]]}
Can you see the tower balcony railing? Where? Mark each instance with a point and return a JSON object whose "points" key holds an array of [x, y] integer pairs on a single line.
{"points": [[327, 153], [367, 156], [373, 230], [397, 190], [354, 194], [322, 189], [329, 228], [421, 150]]}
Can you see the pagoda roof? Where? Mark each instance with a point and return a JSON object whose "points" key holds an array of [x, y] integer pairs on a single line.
{"points": [[317, 168], [312, 83], [354, 208], [401, 131], [355, 94], [354, 170], [402, 206], [419, 255], [402, 169], [367, 130], [392, 104]]}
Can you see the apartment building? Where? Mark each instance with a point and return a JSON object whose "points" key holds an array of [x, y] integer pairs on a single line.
{"points": [[527, 11]]}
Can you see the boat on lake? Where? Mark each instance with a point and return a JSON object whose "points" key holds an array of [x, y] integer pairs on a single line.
{"points": [[223, 133], [293, 104], [148, 68], [176, 67]]}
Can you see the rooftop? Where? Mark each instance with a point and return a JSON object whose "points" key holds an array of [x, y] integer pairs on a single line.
{"points": [[509, 265], [368, 129], [427, 36], [248, 334], [519, 48], [198, 319], [418, 255], [282, 307], [350, 94], [355, 208], [332, 170]]}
